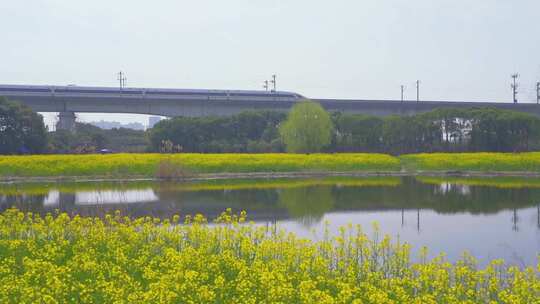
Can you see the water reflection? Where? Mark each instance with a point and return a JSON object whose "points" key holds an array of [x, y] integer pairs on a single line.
{"points": [[490, 217], [307, 204], [306, 201]]}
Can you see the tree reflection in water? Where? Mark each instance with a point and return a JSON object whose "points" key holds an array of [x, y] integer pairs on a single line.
{"points": [[307, 204], [306, 201]]}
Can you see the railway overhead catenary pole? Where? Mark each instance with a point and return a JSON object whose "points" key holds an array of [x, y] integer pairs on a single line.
{"points": [[514, 86], [122, 79], [418, 91], [538, 92]]}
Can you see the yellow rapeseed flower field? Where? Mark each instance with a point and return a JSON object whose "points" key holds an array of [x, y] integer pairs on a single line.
{"points": [[127, 165], [480, 162], [58, 259], [148, 165]]}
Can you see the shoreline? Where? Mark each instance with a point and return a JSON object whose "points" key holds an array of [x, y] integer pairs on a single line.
{"points": [[266, 175]]}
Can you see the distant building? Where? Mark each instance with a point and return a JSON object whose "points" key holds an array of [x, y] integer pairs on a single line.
{"points": [[153, 120], [107, 125]]}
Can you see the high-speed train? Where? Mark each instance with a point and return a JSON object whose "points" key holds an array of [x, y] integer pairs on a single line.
{"points": [[146, 93]]}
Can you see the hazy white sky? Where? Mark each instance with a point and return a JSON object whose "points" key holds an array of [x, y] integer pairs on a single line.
{"points": [[459, 49]]}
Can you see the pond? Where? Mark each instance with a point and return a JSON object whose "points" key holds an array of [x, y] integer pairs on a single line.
{"points": [[488, 217]]}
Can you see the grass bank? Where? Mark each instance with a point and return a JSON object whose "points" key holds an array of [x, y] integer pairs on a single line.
{"points": [[173, 165], [148, 260]]}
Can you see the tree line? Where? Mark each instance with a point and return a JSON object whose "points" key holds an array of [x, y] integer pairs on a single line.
{"points": [[246, 132], [441, 130], [306, 128]]}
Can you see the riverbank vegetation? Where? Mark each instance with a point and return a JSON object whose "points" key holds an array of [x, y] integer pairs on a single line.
{"points": [[467, 162], [146, 165], [116, 259], [191, 165]]}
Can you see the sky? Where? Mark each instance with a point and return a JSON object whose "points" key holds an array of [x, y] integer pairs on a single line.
{"points": [[458, 49]]}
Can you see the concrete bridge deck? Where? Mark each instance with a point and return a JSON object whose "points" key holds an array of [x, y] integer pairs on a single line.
{"points": [[198, 108]]}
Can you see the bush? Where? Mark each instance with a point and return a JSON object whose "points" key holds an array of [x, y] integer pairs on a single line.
{"points": [[169, 170]]}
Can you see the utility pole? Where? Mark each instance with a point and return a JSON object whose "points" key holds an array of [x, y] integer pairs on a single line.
{"points": [[273, 82], [514, 86], [538, 92], [418, 91], [265, 85], [402, 89], [122, 79]]}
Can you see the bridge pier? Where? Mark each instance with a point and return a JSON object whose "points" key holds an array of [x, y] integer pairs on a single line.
{"points": [[66, 121]]}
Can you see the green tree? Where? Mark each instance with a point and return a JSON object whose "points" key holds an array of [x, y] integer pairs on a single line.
{"points": [[358, 133], [21, 129], [253, 131], [308, 128]]}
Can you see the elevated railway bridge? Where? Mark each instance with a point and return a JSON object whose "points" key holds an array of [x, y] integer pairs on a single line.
{"points": [[68, 100]]}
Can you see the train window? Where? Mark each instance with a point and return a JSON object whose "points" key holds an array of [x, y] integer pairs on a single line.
{"points": [[95, 91], [186, 93]]}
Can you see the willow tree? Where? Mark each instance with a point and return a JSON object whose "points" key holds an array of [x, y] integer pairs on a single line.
{"points": [[308, 128]]}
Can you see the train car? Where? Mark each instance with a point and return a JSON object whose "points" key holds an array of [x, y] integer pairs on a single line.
{"points": [[148, 93], [76, 91], [193, 94], [22, 90]]}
